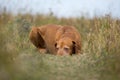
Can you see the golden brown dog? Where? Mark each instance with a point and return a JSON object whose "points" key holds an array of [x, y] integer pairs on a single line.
{"points": [[56, 39]]}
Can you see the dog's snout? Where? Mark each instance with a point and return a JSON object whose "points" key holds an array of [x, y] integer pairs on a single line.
{"points": [[62, 52]]}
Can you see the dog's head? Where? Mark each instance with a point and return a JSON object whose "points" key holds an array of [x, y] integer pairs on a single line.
{"points": [[65, 46]]}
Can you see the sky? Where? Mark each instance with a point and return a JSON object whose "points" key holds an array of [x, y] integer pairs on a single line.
{"points": [[63, 8]]}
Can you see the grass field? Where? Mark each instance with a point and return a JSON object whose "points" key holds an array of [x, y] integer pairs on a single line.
{"points": [[19, 59]]}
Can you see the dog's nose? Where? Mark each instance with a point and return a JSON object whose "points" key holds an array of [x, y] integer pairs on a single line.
{"points": [[61, 53]]}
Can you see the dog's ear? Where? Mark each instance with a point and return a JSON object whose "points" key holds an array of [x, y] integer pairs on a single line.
{"points": [[73, 47]]}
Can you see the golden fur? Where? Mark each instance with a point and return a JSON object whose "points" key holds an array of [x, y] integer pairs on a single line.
{"points": [[56, 39]]}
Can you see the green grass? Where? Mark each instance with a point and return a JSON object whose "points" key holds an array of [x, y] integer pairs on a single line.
{"points": [[19, 59]]}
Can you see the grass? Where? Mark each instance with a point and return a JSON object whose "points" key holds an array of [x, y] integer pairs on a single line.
{"points": [[19, 60]]}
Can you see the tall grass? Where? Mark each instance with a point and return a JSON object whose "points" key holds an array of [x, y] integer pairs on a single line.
{"points": [[19, 60]]}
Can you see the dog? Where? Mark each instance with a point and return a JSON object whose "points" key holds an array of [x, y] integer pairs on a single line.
{"points": [[56, 39]]}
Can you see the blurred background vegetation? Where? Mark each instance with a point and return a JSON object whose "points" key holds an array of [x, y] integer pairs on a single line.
{"points": [[19, 59]]}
